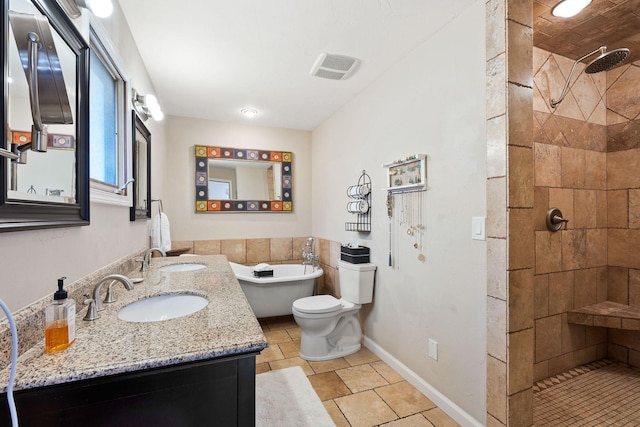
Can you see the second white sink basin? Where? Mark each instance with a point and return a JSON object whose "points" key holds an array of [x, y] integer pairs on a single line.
{"points": [[182, 267], [162, 307]]}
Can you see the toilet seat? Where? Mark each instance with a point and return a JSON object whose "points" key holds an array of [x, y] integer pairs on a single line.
{"points": [[317, 304]]}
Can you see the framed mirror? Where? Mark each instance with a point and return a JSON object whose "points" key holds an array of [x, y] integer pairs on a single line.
{"points": [[44, 172], [243, 180], [141, 156]]}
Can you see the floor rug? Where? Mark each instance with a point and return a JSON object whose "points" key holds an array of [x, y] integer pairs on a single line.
{"points": [[285, 397]]}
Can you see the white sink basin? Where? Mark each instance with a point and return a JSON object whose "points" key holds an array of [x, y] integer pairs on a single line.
{"points": [[182, 267], [162, 307]]}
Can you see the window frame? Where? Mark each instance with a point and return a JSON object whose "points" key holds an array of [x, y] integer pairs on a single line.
{"points": [[101, 45]]}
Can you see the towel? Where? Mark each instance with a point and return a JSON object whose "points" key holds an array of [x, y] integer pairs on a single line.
{"points": [[262, 267], [160, 232]]}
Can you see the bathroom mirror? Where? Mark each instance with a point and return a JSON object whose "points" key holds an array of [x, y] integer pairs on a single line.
{"points": [[141, 157], [45, 108], [243, 180]]}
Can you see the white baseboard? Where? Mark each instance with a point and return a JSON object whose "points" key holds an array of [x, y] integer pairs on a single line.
{"points": [[443, 402]]}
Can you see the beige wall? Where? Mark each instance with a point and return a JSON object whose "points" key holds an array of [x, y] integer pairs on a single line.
{"points": [[179, 178], [419, 107]]}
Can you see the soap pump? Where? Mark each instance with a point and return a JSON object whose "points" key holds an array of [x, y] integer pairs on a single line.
{"points": [[60, 321]]}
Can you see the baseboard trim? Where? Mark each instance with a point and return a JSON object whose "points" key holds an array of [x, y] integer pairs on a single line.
{"points": [[443, 402]]}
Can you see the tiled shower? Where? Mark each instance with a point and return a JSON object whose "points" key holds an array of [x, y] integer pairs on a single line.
{"points": [[586, 163]]}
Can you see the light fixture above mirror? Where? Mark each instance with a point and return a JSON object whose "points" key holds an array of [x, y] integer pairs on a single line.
{"points": [[146, 106]]}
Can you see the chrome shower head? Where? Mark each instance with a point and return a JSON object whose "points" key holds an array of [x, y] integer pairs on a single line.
{"points": [[607, 60], [604, 62]]}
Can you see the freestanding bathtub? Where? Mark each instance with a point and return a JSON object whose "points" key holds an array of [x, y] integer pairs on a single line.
{"points": [[273, 296]]}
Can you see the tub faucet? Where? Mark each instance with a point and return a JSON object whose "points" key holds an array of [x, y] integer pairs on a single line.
{"points": [[113, 277], [309, 256], [146, 261]]}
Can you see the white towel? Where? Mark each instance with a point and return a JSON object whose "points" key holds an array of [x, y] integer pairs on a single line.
{"points": [[262, 267], [160, 232]]}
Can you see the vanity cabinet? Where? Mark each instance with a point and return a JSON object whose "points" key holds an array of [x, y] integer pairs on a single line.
{"points": [[215, 392]]}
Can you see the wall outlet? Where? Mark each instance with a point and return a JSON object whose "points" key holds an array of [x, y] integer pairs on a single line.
{"points": [[433, 349]]}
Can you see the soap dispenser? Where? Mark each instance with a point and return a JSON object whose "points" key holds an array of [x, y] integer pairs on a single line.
{"points": [[60, 321]]}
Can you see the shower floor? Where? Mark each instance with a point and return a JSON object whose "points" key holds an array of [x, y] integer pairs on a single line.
{"points": [[603, 393]]}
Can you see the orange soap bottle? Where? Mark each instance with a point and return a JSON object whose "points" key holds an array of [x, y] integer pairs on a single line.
{"points": [[60, 321]]}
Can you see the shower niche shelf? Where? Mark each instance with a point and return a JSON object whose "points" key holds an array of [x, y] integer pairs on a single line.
{"points": [[360, 205]]}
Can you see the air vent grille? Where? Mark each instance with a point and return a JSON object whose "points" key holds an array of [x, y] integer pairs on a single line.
{"points": [[335, 67]]}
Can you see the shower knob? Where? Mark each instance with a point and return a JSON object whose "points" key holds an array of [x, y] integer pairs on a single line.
{"points": [[555, 220]]}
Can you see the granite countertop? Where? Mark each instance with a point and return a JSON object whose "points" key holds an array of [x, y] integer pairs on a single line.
{"points": [[108, 345]]}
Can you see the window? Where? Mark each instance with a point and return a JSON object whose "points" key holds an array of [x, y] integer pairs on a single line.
{"points": [[107, 119], [103, 119]]}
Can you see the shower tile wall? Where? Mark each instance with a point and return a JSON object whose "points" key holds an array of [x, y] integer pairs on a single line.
{"points": [[587, 163], [273, 251], [570, 167], [623, 183]]}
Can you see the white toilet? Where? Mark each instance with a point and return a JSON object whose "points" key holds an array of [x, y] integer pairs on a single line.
{"points": [[330, 327]]}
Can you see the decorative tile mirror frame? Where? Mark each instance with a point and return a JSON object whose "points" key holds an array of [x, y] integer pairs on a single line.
{"points": [[243, 180]]}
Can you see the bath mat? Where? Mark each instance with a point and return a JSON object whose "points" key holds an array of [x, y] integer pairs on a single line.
{"points": [[286, 398]]}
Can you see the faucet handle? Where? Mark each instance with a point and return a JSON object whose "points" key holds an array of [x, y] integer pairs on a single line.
{"points": [[92, 313], [108, 298]]}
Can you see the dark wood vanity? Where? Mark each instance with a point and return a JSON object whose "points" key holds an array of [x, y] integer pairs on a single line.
{"points": [[217, 392]]}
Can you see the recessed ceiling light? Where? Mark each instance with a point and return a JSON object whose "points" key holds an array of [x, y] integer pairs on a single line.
{"points": [[569, 8], [249, 112]]}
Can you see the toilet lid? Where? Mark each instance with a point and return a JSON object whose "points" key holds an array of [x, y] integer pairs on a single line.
{"points": [[317, 304]]}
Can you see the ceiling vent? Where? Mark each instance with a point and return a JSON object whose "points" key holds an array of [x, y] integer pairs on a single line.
{"points": [[335, 67]]}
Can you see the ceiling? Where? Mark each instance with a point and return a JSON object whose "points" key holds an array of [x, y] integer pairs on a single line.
{"points": [[211, 58], [611, 23]]}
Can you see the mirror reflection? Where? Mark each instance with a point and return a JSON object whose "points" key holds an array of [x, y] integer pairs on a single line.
{"points": [[236, 180], [45, 116], [240, 179]]}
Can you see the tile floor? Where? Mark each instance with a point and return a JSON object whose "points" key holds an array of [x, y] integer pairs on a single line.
{"points": [[357, 390], [602, 393]]}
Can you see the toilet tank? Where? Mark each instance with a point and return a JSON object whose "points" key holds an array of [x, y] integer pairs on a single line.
{"points": [[356, 282]]}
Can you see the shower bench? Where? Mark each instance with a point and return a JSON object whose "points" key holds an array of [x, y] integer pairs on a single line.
{"points": [[607, 314]]}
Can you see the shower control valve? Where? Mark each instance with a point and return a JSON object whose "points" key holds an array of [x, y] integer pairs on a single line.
{"points": [[555, 220]]}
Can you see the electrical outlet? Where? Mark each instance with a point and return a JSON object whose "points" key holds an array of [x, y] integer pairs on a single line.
{"points": [[433, 349]]}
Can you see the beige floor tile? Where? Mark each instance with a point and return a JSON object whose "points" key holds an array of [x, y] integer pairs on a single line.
{"points": [[269, 354], [404, 399], [294, 361], [290, 349], [294, 333], [262, 367], [363, 356], [329, 365], [336, 414], [439, 418], [365, 409], [277, 336], [387, 372], [360, 378], [416, 420], [284, 322], [328, 386]]}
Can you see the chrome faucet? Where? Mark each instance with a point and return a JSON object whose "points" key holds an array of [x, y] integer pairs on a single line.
{"points": [[146, 261], [309, 256]]}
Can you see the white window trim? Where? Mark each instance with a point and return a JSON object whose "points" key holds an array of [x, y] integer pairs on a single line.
{"points": [[99, 192]]}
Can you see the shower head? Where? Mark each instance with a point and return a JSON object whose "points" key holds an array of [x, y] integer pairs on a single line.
{"points": [[604, 62]]}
